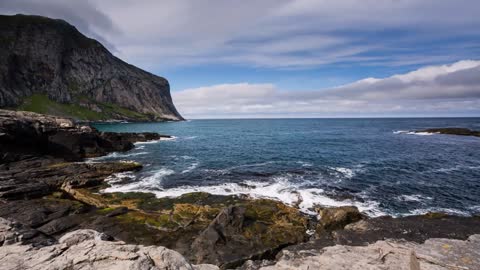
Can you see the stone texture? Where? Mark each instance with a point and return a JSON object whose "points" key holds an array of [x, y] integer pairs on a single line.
{"points": [[26, 134], [434, 254], [87, 249], [331, 218], [39, 55]]}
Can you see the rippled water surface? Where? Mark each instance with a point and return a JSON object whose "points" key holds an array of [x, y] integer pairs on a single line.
{"points": [[375, 164]]}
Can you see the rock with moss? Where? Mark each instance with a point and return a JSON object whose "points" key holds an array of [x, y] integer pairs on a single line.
{"points": [[257, 229], [206, 228], [331, 218]]}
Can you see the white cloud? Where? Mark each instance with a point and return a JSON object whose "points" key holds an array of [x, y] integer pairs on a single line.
{"points": [[269, 33], [435, 91]]}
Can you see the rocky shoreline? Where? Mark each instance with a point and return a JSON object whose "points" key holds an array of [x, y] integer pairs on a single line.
{"points": [[452, 131], [52, 209]]}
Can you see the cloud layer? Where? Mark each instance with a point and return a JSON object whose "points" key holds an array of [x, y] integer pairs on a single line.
{"points": [[273, 33], [431, 91]]}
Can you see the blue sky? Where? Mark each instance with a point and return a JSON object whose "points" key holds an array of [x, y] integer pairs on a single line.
{"points": [[208, 48]]}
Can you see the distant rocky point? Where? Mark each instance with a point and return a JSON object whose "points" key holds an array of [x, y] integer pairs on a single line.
{"points": [[453, 131], [48, 66]]}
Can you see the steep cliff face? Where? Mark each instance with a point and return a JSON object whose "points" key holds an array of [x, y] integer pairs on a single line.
{"points": [[48, 66]]}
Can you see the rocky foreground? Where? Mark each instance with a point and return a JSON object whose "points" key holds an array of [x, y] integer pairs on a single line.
{"points": [[54, 216]]}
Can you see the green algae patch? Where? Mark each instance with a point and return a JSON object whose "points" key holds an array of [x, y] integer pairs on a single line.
{"points": [[82, 108], [104, 211], [272, 223], [40, 103]]}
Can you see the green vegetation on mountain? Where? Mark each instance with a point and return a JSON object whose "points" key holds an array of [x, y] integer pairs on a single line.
{"points": [[40, 103]]}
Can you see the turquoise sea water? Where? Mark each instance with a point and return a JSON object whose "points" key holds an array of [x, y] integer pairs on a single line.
{"points": [[375, 164]]}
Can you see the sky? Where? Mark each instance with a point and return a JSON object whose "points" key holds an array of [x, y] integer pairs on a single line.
{"points": [[292, 58]]}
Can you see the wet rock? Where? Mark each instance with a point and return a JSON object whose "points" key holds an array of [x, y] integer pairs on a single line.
{"points": [[254, 230], [25, 134], [117, 211], [416, 229], [453, 131], [60, 225], [12, 232], [225, 230], [410, 228], [125, 138], [23, 181], [331, 218]]}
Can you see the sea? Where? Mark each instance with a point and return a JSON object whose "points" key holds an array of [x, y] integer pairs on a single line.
{"points": [[379, 165]]}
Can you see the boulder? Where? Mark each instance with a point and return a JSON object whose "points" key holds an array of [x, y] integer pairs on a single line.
{"points": [[255, 229], [331, 218]]}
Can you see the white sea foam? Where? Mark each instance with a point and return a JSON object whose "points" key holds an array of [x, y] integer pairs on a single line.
{"points": [[116, 155], [145, 184], [279, 189], [457, 168], [475, 208], [304, 163], [439, 210], [421, 133], [190, 168], [119, 177], [348, 173], [172, 138], [413, 198], [413, 133]]}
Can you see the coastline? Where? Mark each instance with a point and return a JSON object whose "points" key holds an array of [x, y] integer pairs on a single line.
{"points": [[58, 192]]}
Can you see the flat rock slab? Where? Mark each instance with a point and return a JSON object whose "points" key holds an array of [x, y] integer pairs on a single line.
{"points": [[434, 254], [86, 249]]}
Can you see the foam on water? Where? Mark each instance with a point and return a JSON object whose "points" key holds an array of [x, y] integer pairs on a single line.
{"points": [[413, 198], [413, 133], [313, 159], [117, 155], [304, 163], [475, 208], [190, 168], [280, 188], [145, 184], [348, 173], [173, 138], [439, 210], [457, 168]]}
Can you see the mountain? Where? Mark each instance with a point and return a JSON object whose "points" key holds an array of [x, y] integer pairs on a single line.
{"points": [[48, 66]]}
